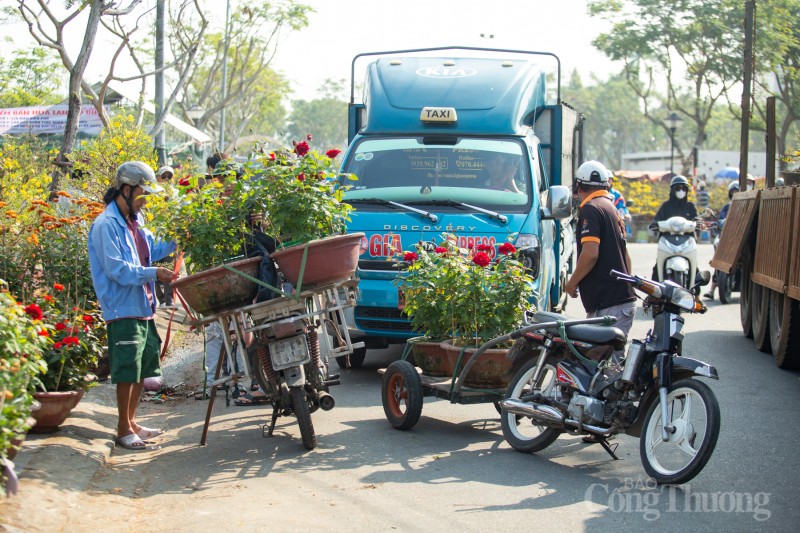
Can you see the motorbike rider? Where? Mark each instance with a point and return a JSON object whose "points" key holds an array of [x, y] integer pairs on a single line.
{"points": [[677, 206], [733, 188]]}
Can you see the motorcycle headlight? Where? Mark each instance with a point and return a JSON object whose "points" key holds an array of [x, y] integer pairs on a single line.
{"points": [[682, 298]]}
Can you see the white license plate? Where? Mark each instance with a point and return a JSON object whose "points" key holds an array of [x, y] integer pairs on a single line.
{"points": [[291, 351]]}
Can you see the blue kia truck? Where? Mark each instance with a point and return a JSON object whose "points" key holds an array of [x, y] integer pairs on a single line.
{"points": [[426, 143]]}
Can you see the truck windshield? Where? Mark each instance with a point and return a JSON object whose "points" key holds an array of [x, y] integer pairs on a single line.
{"points": [[491, 173]]}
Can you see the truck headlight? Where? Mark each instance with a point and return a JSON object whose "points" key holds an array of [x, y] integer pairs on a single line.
{"points": [[530, 248]]}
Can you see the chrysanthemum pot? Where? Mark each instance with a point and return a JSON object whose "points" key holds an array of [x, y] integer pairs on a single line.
{"points": [[54, 410]]}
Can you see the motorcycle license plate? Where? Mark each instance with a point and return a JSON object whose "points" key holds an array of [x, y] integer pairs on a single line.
{"points": [[291, 351]]}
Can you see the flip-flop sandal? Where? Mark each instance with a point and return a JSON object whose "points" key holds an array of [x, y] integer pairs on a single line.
{"points": [[133, 442], [149, 433], [249, 399]]}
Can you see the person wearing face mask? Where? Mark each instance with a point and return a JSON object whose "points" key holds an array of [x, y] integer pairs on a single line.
{"points": [[676, 206]]}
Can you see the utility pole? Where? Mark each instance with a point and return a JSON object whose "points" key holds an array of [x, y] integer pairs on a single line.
{"points": [[224, 78], [744, 142], [160, 137]]}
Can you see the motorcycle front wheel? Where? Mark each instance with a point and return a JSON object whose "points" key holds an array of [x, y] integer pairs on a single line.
{"points": [[303, 414], [694, 412], [521, 432]]}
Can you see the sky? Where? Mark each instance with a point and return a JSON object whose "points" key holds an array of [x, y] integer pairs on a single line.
{"points": [[340, 29]]}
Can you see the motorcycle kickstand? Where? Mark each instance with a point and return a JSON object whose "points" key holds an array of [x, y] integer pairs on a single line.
{"points": [[268, 433], [607, 447]]}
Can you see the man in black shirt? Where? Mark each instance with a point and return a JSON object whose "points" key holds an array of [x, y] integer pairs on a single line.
{"points": [[601, 248]]}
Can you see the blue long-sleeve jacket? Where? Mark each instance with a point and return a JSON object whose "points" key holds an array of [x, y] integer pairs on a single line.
{"points": [[119, 277]]}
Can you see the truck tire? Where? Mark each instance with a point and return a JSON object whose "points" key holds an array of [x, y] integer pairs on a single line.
{"points": [[745, 313], [784, 330], [724, 284], [760, 312]]}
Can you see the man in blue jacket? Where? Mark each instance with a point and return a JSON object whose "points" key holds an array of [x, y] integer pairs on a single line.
{"points": [[120, 256]]}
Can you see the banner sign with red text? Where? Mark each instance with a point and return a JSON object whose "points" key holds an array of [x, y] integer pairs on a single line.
{"points": [[47, 119]]}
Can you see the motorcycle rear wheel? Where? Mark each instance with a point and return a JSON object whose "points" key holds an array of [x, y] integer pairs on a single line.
{"points": [[303, 414], [519, 431], [693, 409]]}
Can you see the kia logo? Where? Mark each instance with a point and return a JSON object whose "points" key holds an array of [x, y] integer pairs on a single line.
{"points": [[446, 72]]}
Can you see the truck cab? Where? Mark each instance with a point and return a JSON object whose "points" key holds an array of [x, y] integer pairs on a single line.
{"points": [[469, 146]]}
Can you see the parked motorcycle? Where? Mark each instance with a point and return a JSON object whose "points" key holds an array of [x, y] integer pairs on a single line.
{"points": [[677, 250], [569, 382]]}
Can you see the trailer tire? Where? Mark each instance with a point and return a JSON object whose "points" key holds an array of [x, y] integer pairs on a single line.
{"points": [[760, 296], [745, 300], [784, 330]]}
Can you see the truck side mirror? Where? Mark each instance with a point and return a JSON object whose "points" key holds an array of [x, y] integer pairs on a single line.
{"points": [[557, 203]]}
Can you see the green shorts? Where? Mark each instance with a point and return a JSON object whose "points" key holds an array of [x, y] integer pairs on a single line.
{"points": [[134, 350]]}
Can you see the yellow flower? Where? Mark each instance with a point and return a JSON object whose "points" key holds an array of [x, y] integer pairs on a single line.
{"points": [[33, 239]]}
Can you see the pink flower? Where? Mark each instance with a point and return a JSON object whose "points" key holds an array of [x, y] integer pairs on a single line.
{"points": [[481, 259], [333, 153], [410, 257], [506, 248], [302, 148]]}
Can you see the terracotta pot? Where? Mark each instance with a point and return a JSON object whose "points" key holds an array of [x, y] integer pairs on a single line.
{"points": [[17, 441], [329, 260], [56, 407], [431, 358], [218, 289], [491, 371]]}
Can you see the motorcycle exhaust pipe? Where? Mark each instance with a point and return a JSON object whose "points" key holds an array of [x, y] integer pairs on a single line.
{"points": [[326, 401], [541, 413]]}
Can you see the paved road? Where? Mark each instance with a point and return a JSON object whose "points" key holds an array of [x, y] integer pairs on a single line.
{"points": [[453, 471]]}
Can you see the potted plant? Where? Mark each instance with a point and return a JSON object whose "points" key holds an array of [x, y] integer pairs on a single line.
{"points": [[306, 214], [21, 345], [74, 339], [468, 296]]}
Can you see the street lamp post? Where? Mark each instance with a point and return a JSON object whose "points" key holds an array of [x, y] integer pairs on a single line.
{"points": [[674, 121]]}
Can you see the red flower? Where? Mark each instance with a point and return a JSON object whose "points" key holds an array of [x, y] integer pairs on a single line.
{"points": [[440, 250], [58, 287], [43, 333], [34, 311], [71, 340], [481, 259], [506, 248], [48, 298], [58, 345], [302, 176], [308, 136], [410, 257], [333, 153], [302, 148], [88, 319], [60, 326], [484, 247], [272, 156], [184, 182]]}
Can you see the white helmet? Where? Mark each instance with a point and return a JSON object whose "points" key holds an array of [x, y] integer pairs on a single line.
{"points": [[165, 169], [137, 173], [593, 173]]}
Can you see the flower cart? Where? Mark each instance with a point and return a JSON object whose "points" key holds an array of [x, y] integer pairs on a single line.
{"points": [[296, 337]]}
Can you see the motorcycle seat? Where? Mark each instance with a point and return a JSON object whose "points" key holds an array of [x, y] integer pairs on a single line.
{"points": [[607, 335]]}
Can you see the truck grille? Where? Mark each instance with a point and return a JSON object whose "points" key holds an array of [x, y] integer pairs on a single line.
{"points": [[382, 318]]}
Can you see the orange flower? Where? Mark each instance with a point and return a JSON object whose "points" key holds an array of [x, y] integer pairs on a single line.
{"points": [[59, 287], [64, 194]]}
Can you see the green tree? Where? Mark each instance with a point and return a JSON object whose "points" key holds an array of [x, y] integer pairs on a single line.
{"points": [[324, 117], [690, 48], [29, 78]]}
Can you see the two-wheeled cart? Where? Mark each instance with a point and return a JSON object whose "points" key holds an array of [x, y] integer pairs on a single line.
{"points": [[295, 338], [404, 386]]}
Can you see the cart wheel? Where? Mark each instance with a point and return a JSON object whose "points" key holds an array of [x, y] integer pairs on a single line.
{"points": [[784, 330], [759, 310], [401, 392], [745, 294]]}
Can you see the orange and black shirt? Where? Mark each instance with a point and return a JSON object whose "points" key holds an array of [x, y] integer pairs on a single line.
{"points": [[599, 222]]}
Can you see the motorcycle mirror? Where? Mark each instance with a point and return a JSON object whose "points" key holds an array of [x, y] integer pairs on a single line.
{"points": [[703, 278]]}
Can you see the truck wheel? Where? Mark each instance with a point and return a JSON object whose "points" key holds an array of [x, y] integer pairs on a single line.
{"points": [[356, 358], [784, 330], [745, 303], [760, 313]]}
